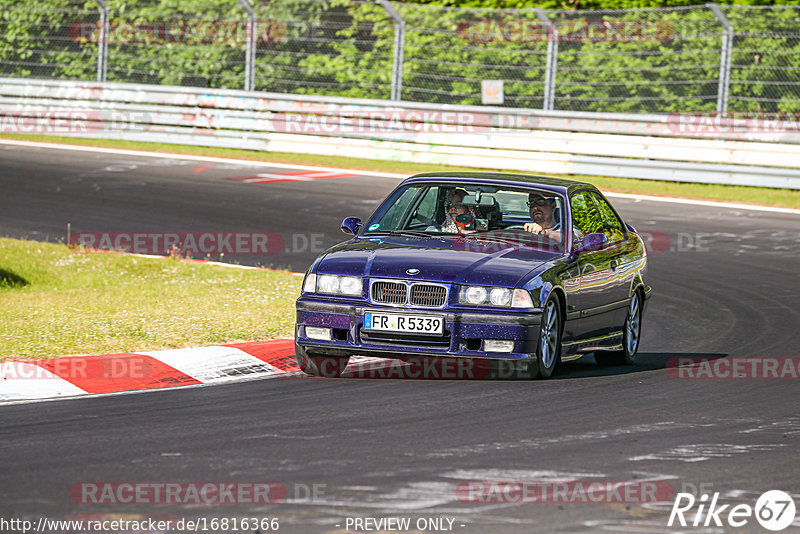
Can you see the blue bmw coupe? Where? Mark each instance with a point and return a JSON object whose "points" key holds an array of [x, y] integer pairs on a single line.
{"points": [[528, 271]]}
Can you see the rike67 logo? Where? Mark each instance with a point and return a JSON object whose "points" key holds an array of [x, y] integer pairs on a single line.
{"points": [[774, 510]]}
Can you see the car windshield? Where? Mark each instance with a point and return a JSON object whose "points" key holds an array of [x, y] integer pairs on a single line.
{"points": [[522, 215]]}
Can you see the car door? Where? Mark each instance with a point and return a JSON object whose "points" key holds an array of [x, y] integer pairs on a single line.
{"points": [[622, 247], [600, 290]]}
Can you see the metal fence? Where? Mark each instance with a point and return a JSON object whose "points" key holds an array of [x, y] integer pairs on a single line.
{"points": [[710, 59]]}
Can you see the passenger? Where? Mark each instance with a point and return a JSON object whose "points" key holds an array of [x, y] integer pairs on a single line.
{"points": [[453, 208]]}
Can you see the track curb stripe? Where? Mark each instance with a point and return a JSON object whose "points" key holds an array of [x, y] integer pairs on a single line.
{"points": [[210, 365], [279, 353], [139, 371], [26, 380], [111, 373]]}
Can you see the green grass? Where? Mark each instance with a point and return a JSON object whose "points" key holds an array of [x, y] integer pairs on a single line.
{"points": [[762, 196], [59, 301]]}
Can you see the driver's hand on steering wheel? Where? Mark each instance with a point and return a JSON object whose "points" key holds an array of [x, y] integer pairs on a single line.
{"points": [[534, 228]]}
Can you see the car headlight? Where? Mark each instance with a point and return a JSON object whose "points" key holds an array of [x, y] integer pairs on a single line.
{"points": [[500, 296], [338, 285], [473, 295], [494, 296], [350, 285]]}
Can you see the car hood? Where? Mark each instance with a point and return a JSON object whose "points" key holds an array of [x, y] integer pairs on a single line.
{"points": [[443, 259]]}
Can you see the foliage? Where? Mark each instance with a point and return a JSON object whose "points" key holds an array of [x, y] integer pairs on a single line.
{"points": [[345, 48], [585, 4]]}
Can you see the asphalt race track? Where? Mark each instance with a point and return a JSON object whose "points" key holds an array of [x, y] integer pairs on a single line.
{"points": [[726, 282]]}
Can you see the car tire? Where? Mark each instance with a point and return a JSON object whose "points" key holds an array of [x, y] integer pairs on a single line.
{"points": [[316, 365], [631, 332], [548, 349]]}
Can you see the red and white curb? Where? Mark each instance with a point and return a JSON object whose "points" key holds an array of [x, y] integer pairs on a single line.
{"points": [[69, 377], [23, 381], [114, 373]]}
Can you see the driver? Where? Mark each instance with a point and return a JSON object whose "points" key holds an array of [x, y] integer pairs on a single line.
{"points": [[542, 209]]}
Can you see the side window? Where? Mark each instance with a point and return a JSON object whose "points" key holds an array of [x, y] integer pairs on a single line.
{"points": [[613, 228], [427, 205], [392, 217], [425, 211], [585, 218]]}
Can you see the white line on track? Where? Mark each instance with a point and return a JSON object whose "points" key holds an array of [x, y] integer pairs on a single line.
{"points": [[709, 203], [725, 205], [190, 157]]}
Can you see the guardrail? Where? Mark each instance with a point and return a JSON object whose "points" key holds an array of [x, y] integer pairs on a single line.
{"points": [[704, 149]]}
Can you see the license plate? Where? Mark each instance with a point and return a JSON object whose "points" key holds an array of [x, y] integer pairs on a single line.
{"points": [[409, 324]]}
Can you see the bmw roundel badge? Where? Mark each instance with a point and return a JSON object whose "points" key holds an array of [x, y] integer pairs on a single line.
{"points": [[412, 271]]}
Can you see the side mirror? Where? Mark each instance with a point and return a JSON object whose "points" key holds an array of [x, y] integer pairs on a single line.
{"points": [[594, 241], [351, 225]]}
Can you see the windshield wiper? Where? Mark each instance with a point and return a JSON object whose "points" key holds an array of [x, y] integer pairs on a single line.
{"points": [[414, 233]]}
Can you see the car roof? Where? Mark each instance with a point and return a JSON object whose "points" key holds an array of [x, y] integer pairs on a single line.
{"points": [[550, 183]]}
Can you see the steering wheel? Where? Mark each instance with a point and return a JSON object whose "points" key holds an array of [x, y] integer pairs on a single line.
{"points": [[538, 236]]}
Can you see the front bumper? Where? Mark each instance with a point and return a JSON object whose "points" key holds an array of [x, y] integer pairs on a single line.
{"points": [[464, 332]]}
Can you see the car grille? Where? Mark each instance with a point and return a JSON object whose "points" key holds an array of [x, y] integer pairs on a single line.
{"points": [[389, 292], [403, 339], [428, 295], [398, 293]]}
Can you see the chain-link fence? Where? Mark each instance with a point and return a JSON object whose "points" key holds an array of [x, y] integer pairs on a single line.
{"points": [[35, 39], [765, 64], [637, 61], [341, 48], [199, 44], [709, 58]]}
